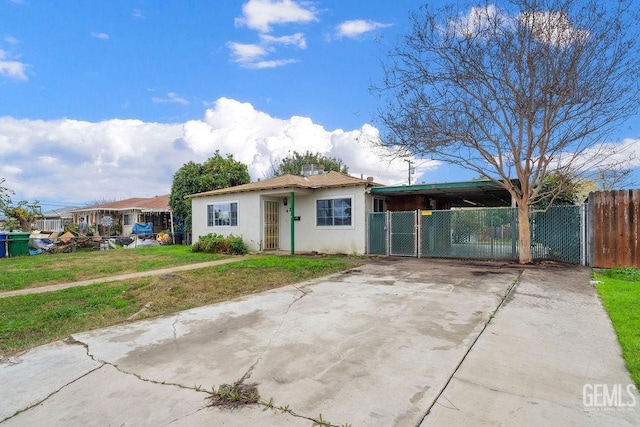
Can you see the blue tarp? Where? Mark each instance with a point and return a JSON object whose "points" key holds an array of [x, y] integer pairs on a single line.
{"points": [[142, 228]]}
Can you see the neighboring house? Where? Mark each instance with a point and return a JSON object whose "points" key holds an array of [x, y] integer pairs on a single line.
{"points": [[126, 213], [328, 212], [55, 220]]}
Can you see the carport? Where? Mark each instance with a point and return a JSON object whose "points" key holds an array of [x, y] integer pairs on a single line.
{"points": [[470, 220], [443, 196]]}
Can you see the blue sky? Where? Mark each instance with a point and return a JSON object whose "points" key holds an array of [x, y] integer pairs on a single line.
{"points": [[164, 61], [107, 99]]}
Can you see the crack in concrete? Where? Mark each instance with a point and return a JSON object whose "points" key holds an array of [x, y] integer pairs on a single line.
{"points": [[102, 363], [175, 332], [502, 302], [525, 396], [286, 410], [138, 376], [275, 333], [53, 393], [247, 375], [184, 416]]}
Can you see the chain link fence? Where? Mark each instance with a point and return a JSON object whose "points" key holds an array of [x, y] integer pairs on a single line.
{"points": [[487, 233]]}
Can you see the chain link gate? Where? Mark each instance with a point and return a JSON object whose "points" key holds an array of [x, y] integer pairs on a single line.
{"points": [[487, 233], [484, 233], [403, 233]]}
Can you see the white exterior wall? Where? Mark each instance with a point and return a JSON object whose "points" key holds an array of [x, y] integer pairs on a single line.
{"points": [[327, 239], [249, 218], [308, 236]]}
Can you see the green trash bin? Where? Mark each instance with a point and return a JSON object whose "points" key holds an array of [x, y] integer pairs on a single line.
{"points": [[18, 243], [3, 245]]}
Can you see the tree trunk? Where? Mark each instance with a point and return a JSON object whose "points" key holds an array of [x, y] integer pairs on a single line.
{"points": [[25, 224], [524, 234]]}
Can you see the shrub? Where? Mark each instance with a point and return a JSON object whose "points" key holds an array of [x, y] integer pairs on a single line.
{"points": [[218, 244]]}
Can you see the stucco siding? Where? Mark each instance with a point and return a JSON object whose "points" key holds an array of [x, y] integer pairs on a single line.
{"points": [[248, 218], [309, 236]]}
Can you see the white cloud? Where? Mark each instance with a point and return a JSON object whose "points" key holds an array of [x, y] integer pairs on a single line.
{"points": [[274, 63], [478, 19], [11, 40], [251, 55], [549, 27], [137, 13], [79, 161], [553, 27], [9, 171], [172, 98], [245, 52], [13, 69], [101, 36], [260, 15], [296, 40], [358, 27]]}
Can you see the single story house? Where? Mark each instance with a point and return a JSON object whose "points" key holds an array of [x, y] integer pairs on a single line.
{"points": [[54, 220], [322, 212], [126, 213]]}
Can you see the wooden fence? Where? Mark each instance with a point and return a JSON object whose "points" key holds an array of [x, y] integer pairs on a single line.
{"points": [[615, 228]]}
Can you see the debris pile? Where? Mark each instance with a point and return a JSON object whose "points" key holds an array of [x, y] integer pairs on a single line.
{"points": [[50, 242]]}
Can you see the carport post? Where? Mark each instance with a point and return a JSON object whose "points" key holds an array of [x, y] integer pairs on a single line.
{"points": [[293, 220]]}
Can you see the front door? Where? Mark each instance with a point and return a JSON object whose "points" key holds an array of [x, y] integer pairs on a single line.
{"points": [[271, 230]]}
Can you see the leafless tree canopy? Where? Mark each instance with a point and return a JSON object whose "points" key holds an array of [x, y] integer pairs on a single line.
{"points": [[514, 89]]}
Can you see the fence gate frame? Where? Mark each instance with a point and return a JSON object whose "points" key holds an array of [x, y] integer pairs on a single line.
{"points": [[402, 235], [404, 241]]}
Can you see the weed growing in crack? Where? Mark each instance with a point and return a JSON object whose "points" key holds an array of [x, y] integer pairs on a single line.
{"points": [[267, 405], [240, 394], [321, 422], [234, 396], [284, 409]]}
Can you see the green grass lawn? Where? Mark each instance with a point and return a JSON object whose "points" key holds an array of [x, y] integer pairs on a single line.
{"points": [[41, 270], [620, 293], [30, 320]]}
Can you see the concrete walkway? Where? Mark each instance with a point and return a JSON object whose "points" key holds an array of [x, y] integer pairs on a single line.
{"points": [[116, 278], [397, 342]]}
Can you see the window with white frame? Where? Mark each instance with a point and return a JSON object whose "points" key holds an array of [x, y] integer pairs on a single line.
{"points": [[126, 219], [222, 215], [334, 212]]}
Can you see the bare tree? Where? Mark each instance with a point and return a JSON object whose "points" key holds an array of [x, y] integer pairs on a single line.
{"points": [[514, 92], [616, 174]]}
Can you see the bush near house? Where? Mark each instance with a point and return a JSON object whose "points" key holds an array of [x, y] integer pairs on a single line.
{"points": [[218, 244], [620, 293]]}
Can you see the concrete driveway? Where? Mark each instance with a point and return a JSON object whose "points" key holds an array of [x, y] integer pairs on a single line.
{"points": [[385, 344]]}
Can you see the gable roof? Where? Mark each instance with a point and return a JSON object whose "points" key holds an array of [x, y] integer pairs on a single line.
{"points": [[59, 213], [143, 204], [331, 179]]}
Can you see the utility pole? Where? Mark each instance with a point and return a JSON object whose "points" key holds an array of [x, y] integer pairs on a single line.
{"points": [[409, 161]]}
